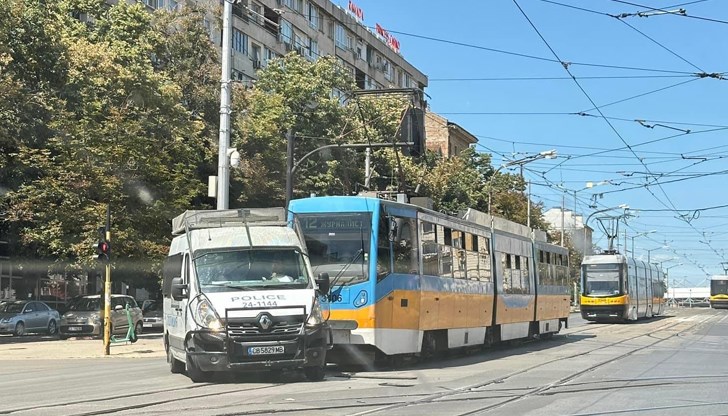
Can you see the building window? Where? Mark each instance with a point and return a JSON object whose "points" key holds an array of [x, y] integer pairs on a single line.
{"points": [[313, 49], [240, 42], [257, 13], [340, 36], [286, 32], [312, 14]]}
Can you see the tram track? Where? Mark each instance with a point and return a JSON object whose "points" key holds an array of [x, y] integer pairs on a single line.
{"points": [[383, 405]]}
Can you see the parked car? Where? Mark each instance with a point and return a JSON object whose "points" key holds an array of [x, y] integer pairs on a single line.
{"points": [[153, 315], [19, 317], [85, 316]]}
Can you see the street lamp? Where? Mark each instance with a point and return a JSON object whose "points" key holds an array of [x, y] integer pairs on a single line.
{"points": [[547, 154], [653, 249], [640, 235]]}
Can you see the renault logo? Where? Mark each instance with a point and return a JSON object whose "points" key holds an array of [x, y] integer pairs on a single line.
{"points": [[265, 322]]}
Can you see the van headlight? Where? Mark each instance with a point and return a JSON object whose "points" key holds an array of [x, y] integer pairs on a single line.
{"points": [[206, 317], [317, 317]]}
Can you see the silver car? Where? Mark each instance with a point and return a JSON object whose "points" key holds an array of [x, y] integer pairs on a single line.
{"points": [[85, 316], [18, 317]]}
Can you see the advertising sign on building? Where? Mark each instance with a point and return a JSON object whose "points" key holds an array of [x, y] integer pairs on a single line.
{"points": [[390, 40], [356, 11]]}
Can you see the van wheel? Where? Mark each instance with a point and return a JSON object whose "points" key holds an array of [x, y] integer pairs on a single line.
{"points": [[175, 366], [316, 373], [194, 372]]}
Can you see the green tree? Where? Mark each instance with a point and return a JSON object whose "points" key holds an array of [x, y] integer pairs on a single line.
{"points": [[122, 135]]}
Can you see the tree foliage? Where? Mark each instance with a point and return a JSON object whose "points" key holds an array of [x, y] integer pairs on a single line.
{"points": [[121, 109]]}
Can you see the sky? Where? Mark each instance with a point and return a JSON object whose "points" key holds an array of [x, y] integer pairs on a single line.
{"points": [[525, 76]]}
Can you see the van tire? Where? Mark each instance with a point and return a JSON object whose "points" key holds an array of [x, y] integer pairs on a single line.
{"points": [[175, 366], [194, 372], [316, 373]]}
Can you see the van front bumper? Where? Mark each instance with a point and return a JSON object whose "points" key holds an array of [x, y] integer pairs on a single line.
{"points": [[216, 351]]}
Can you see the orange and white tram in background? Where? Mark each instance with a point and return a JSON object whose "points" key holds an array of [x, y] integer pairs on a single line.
{"points": [[407, 280], [616, 288]]}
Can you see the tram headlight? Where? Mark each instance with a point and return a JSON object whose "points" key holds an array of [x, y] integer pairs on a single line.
{"points": [[317, 317], [206, 316]]}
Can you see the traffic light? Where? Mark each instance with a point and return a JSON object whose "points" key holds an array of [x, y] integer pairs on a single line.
{"points": [[103, 249]]}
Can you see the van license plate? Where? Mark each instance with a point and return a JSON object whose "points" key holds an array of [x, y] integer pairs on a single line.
{"points": [[74, 328], [266, 350]]}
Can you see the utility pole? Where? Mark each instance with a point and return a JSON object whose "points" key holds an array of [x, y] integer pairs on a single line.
{"points": [[107, 284], [223, 166], [289, 166]]}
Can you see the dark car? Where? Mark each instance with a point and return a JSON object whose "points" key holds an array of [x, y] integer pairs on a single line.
{"points": [[19, 317], [153, 316]]}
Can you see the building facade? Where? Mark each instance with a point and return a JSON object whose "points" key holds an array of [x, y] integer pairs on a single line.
{"points": [[266, 29], [572, 225], [445, 137]]}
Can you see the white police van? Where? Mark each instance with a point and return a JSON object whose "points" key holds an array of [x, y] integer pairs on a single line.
{"points": [[239, 295]]}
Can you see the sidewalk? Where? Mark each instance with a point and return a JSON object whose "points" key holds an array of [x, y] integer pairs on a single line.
{"points": [[45, 348]]}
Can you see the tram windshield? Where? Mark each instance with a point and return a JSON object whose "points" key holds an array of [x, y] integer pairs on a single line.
{"points": [[601, 279], [338, 244], [719, 287]]}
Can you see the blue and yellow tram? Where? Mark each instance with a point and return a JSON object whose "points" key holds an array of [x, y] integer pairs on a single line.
{"points": [[616, 288], [409, 280], [719, 292]]}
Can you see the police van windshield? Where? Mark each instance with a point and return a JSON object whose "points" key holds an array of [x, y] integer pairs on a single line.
{"points": [[601, 279], [338, 244], [251, 269]]}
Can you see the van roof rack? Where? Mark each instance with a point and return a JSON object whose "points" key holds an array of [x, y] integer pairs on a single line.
{"points": [[243, 217]]}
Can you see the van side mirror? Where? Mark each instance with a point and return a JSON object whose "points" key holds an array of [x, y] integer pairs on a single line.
{"points": [[179, 289], [118, 307], [323, 283]]}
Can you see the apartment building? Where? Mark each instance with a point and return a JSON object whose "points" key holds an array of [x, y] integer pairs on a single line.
{"points": [[265, 29]]}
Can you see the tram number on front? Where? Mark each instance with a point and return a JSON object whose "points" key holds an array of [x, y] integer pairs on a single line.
{"points": [[332, 298]]}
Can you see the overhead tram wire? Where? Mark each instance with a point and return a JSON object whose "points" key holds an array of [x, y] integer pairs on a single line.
{"points": [[559, 78], [566, 68], [666, 11], [662, 46], [540, 58]]}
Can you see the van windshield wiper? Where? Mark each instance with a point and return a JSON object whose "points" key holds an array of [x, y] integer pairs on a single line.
{"points": [[230, 284]]}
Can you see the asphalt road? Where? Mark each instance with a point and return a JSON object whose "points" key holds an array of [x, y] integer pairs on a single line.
{"points": [[673, 365]]}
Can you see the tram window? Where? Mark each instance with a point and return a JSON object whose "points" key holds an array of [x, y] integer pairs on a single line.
{"points": [[460, 263], [384, 265], [448, 236], [458, 239], [405, 247], [471, 242], [483, 260], [518, 262], [472, 264], [430, 262], [540, 256], [445, 261], [505, 265]]}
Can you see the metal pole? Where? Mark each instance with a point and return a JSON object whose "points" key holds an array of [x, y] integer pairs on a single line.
{"points": [[107, 288], [563, 202], [367, 168], [528, 208], [289, 166], [223, 166]]}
